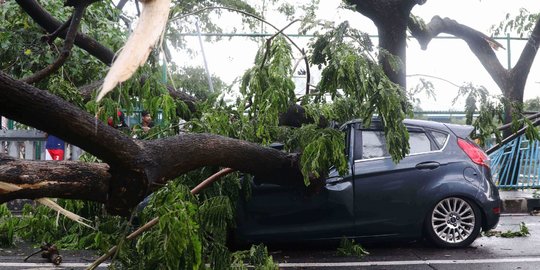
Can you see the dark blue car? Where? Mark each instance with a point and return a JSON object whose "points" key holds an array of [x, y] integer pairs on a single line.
{"points": [[441, 191]]}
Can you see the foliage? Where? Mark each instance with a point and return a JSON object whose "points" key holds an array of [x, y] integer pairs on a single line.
{"points": [[257, 256], [189, 233], [184, 15], [40, 224], [24, 52], [418, 21], [532, 104], [425, 87], [322, 148], [177, 234], [8, 223], [490, 112], [522, 232], [350, 248], [268, 87], [523, 23], [353, 75]]}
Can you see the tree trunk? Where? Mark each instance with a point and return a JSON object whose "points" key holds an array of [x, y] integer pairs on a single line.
{"points": [[393, 38], [391, 18]]}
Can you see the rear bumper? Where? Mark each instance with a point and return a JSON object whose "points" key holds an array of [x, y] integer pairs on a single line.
{"points": [[491, 206], [491, 214]]}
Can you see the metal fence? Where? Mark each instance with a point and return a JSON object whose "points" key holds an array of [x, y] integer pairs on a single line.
{"points": [[516, 164]]}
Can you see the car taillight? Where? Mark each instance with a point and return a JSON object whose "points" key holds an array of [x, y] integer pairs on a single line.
{"points": [[474, 152]]}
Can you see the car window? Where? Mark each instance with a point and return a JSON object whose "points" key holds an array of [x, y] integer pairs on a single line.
{"points": [[373, 144], [440, 137], [419, 142]]}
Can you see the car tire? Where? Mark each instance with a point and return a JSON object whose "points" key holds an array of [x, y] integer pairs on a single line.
{"points": [[453, 222]]}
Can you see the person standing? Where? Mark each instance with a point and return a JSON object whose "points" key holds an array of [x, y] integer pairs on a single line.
{"points": [[146, 121], [55, 146], [118, 125]]}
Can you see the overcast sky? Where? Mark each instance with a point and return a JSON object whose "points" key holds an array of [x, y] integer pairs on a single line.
{"points": [[444, 58]]}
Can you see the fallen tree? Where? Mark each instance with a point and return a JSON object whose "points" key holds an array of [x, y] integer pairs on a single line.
{"points": [[135, 168]]}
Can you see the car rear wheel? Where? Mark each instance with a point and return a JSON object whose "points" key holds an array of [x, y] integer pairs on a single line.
{"points": [[453, 222]]}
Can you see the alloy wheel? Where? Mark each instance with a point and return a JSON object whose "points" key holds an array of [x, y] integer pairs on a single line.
{"points": [[453, 220]]}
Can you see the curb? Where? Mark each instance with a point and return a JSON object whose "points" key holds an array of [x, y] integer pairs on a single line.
{"points": [[520, 205]]}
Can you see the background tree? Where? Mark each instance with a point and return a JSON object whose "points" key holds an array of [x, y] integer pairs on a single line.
{"points": [[392, 17], [532, 104]]}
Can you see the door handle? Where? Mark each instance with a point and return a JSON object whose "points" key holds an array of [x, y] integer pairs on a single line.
{"points": [[430, 165], [334, 181]]}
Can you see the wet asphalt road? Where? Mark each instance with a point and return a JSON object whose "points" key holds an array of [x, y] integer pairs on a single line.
{"points": [[485, 253], [491, 253]]}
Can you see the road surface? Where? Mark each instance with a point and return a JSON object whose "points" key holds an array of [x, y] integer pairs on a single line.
{"points": [[493, 253]]}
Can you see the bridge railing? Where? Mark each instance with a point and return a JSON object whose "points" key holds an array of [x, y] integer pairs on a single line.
{"points": [[516, 164], [515, 160]]}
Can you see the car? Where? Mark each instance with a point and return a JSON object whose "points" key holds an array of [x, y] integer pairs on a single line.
{"points": [[441, 191]]}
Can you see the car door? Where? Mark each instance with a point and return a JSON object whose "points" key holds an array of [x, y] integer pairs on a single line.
{"points": [[387, 200], [275, 213], [287, 213]]}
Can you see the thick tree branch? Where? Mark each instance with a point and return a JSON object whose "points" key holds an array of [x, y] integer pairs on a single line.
{"points": [[43, 110], [50, 24], [65, 179], [480, 44], [66, 50], [183, 153]]}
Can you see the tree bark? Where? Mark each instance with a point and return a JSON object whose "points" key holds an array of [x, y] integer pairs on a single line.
{"points": [[60, 179], [185, 152]]}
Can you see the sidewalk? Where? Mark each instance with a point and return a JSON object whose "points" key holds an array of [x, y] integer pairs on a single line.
{"points": [[520, 201]]}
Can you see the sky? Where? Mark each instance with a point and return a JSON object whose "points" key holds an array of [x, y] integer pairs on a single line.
{"points": [[449, 59]]}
